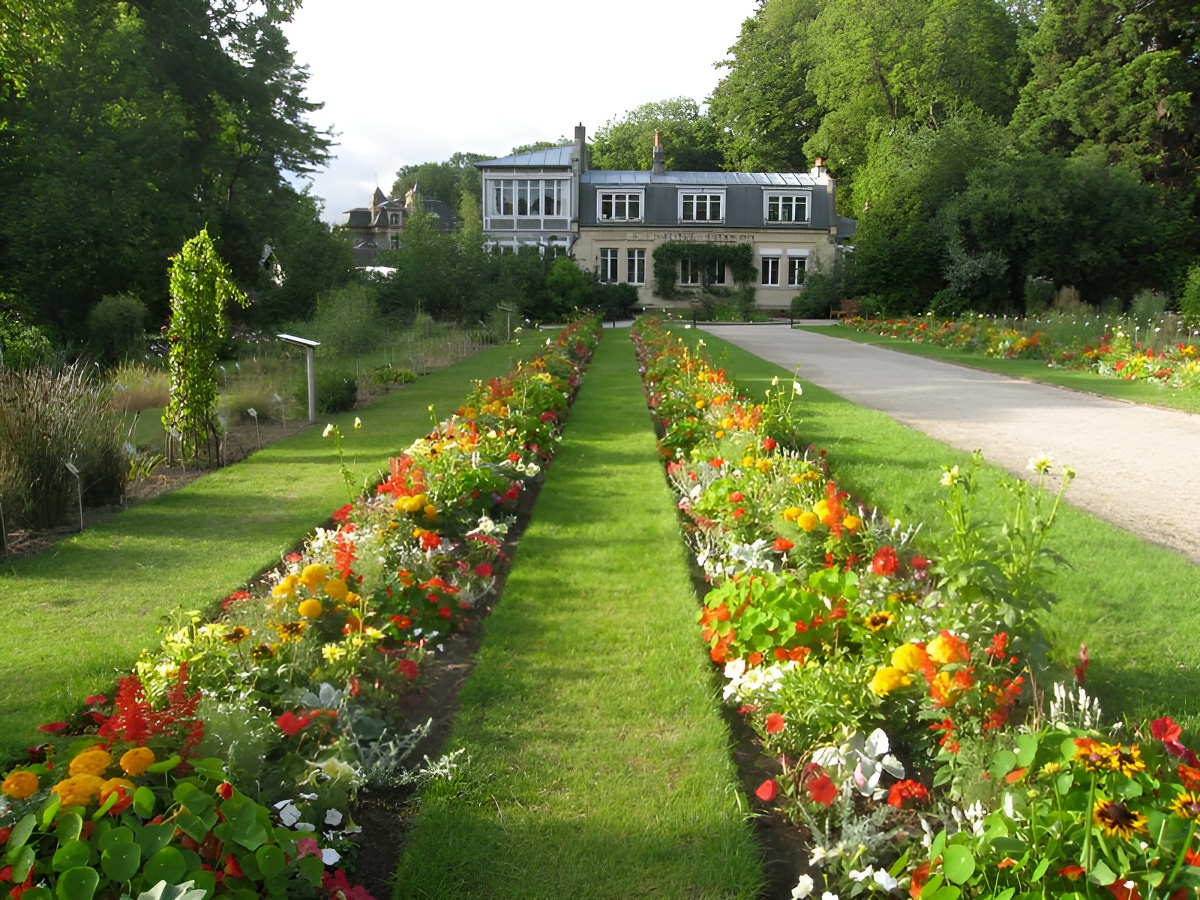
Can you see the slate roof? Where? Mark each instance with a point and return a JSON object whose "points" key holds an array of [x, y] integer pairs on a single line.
{"points": [[763, 179], [555, 156]]}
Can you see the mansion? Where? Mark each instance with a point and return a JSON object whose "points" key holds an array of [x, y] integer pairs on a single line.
{"points": [[381, 225], [612, 221]]}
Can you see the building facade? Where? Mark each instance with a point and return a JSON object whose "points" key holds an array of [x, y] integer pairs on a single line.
{"points": [[611, 222], [380, 226]]}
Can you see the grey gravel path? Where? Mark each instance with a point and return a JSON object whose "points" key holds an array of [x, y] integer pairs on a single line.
{"points": [[1138, 467]]}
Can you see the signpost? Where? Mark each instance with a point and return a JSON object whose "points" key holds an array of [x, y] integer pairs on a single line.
{"points": [[309, 353]]}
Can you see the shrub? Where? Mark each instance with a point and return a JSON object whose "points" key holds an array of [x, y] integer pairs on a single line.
{"points": [[337, 390], [347, 320], [117, 327], [390, 375], [1189, 300], [1039, 294], [948, 305], [22, 346], [806, 305], [48, 418], [1148, 307]]}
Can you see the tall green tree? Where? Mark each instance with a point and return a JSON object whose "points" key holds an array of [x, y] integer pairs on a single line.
{"points": [[444, 180], [763, 108], [690, 138]]}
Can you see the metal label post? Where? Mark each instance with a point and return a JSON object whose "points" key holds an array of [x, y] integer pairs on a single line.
{"points": [[310, 360]]}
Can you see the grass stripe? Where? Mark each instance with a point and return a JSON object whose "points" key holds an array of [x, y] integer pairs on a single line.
{"points": [[78, 615], [597, 761], [1132, 602], [1038, 370]]}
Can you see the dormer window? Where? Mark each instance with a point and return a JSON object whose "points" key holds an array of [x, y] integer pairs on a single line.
{"points": [[785, 207], [624, 206], [393, 218], [708, 206]]}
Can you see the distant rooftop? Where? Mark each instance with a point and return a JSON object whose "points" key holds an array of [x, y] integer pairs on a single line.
{"points": [[767, 179]]}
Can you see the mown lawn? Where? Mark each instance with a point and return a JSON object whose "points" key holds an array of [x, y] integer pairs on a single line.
{"points": [[1030, 369], [596, 762], [1135, 605], [77, 616]]}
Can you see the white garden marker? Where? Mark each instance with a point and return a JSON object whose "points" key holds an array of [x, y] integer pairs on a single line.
{"points": [[309, 348]]}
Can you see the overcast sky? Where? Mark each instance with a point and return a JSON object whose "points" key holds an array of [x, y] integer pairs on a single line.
{"points": [[408, 83]]}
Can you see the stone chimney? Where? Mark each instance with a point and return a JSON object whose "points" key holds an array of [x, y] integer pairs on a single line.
{"points": [[660, 156], [579, 160]]}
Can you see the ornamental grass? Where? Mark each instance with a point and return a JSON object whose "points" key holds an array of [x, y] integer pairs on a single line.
{"points": [[898, 679]]}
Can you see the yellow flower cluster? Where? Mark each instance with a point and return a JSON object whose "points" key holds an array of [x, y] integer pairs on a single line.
{"points": [[79, 790], [20, 784], [92, 761], [135, 762], [888, 679]]}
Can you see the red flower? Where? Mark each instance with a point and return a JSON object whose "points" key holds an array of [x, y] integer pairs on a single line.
{"points": [[1189, 776], [444, 612], [233, 868], [775, 723], [769, 444], [823, 790], [744, 709], [737, 497], [342, 514], [754, 658], [407, 668], [1081, 667], [293, 558], [767, 791], [307, 847], [919, 562], [782, 545], [885, 562], [514, 457], [52, 727], [907, 790], [225, 791], [430, 541], [716, 462], [337, 886], [95, 700], [998, 645], [484, 570], [291, 724], [1072, 872], [1165, 730], [920, 875], [400, 622]]}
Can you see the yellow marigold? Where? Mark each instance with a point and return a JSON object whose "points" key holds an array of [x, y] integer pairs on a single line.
{"points": [[20, 784], [310, 609], [113, 783], [286, 588], [431, 512], [909, 658], [699, 404], [946, 648], [808, 521], [792, 513], [134, 762], [852, 522], [888, 679], [92, 761], [79, 790], [747, 462], [336, 589], [313, 575], [352, 599]]}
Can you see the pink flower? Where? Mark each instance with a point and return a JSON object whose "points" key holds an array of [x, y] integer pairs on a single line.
{"points": [[307, 847]]}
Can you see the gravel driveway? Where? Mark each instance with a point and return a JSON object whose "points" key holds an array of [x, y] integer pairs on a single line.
{"points": [[1138, 467]]}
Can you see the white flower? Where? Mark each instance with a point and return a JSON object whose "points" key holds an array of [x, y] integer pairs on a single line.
{"points": [[735, 669], [1040, 463], [288, 814], [830, 895], [884, 880], [357, 423], [333, 817], [329, 857], [328, 430], [797, 390], [863, 875], [252, 412], [949, 476], [803, 888]]}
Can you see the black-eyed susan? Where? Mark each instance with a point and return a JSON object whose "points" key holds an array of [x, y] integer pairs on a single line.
{"points": [[879, 620], [235, 634], [1128, 761], [289, 631], [1186, 805], [1115, 818]]}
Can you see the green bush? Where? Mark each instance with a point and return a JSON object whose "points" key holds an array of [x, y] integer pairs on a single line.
{"points": [[946, 304], [1039, 294], [347, 321], [1148, 307], [390, 375], [48, 418], [810, 305], [22, 346], [337, 390], [117, 327], [1189, 300]]}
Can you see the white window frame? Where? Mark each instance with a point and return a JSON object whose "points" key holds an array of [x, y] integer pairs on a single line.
{"points": [[768, 266], [393, 218], [689, 272], [786, 201], [635, 265], [687, 201], [620, 202], [717, 272], [609, 271], [539, 193], [797, 266]]}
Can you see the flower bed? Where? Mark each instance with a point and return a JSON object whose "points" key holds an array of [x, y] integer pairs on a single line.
{"points": [[230, 757], [1114, 352], [895, 687]]}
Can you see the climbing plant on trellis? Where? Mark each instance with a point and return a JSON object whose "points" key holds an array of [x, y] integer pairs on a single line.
{"points": [[200, 286]]}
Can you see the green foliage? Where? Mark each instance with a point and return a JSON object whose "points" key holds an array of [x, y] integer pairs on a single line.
{"points": [[614, 301], [117, 326], [337, 390], [200, 289], [690, 138], [1189, 299], [738, 259], [446, 181], [22, 345], [49, 417], [346, 321]]}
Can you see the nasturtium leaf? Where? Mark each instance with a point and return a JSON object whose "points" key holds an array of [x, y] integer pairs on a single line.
{"points": [[958, 863], [122, 834], [1102, 874], [949, 892], [1003, 762], [69, 827], [1006, 894], [165, 765], [270, 860], [1068, 748], [37, 893], [70, 855], [203, 881], [165, 865], [77, 884], [153, 838], [1027, 747], [144, 802], [22, 862], [210, 767], [21, 832], [192, 826], [939, 842], [1063, 783], [1040, 870], [49, 811], [102, 810], [120, 862], [311, 868]]}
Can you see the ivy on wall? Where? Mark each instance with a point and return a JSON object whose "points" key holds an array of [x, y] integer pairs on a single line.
{"points": [[738, 259]]}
